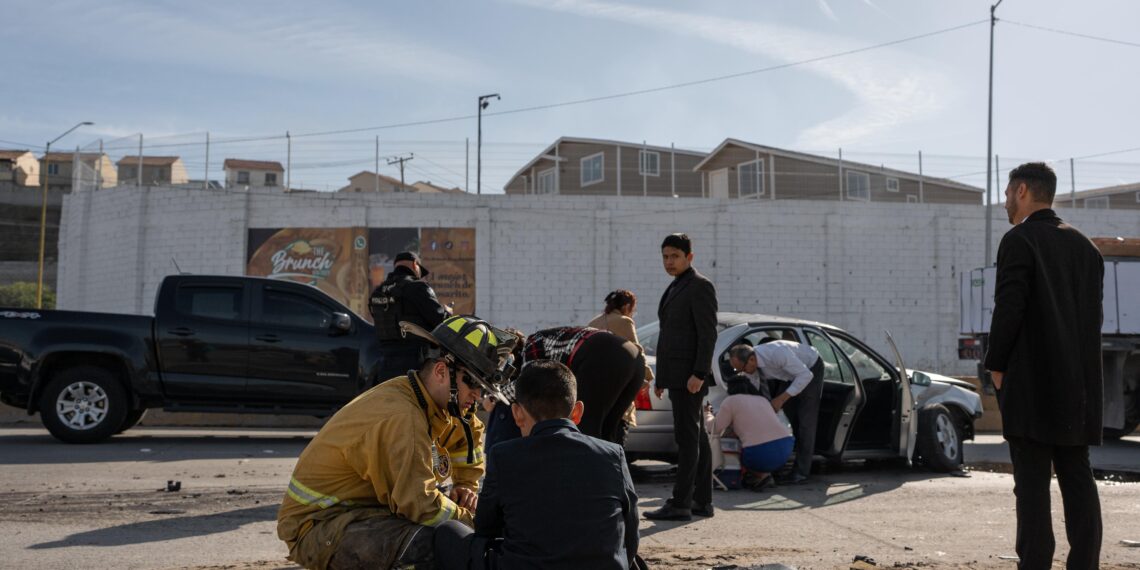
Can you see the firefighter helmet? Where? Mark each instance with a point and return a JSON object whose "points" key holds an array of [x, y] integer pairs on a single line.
{"points": [[481, 349]]}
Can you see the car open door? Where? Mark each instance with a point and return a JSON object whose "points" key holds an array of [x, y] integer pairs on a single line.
{"points": [[907, 426]]}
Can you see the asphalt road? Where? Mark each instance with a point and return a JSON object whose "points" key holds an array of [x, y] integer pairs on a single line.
{"points": [[105, 506]]}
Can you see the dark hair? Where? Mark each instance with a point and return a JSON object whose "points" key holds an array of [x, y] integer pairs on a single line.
{"points": [[619, 298], [1039, 178], [741, 352], [547, 390], [738, 384], [679, 241]]}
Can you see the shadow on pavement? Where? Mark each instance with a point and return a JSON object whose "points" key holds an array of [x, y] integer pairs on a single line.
{"points": [[852, 483], [165, 529], [32, 447]]}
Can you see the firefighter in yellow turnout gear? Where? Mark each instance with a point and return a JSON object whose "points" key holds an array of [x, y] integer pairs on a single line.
{"points": [[365, 491]]}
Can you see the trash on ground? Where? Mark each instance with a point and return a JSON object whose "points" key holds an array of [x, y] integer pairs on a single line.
{"points": [[1009, 558], [172, 487], [863, 562], [1131, 543]]}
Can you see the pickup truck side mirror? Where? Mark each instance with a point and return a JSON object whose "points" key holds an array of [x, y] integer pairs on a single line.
{"points": [[341, 322]]}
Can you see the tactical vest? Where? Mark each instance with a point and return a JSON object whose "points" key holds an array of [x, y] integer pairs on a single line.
{"points": [[389, 305]]}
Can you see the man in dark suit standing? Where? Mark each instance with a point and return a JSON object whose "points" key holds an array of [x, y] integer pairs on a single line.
{"points": [[687, 314], [1044, 357]]}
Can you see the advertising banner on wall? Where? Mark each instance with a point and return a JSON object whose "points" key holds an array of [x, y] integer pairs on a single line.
{"points": [[347, 263]]}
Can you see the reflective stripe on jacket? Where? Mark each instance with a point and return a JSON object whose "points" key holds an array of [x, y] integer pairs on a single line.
{"points": [[375, 452]]}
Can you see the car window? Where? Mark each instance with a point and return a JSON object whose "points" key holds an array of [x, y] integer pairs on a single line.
{"points": [[292, 310], [835, 367], [868, 368], [648, 334], [211, 302], [752, 338]]}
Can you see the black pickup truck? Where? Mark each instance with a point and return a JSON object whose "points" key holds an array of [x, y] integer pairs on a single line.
{"points": [[215, 344]]}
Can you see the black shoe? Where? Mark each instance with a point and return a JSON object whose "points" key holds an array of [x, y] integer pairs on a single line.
{"points": [[757, 485], [703, 510], [669, 513], [796, 479]]}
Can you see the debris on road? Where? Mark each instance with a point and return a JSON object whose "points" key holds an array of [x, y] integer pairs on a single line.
{"points": [[172, 487], [1131, 543], [863, 562]]}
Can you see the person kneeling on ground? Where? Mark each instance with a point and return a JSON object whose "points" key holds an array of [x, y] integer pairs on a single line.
{"points": [[554, 498], [767, 444], [365, 491]]}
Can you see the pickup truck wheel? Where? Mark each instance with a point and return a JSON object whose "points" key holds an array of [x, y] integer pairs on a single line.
{"points": [[939, 439], [85, 404], [133, 418]]}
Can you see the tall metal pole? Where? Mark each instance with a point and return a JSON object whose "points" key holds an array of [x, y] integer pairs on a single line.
{"points": [[288, 161], [1072, 183], [467, 164], [138, 178], [43, 212], [206, 176], [377, 171], [990, 140], [921, 198], [484, 100]]}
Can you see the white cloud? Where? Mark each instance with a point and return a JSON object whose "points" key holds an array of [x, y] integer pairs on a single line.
{"points": [[263, 40], [827, 11], [888, 87]]}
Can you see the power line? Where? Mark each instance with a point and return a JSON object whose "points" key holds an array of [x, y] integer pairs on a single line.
{"points": [[587, 100], [1074, 34]]}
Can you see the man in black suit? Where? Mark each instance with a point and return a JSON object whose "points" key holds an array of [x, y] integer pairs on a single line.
{"points": [[687, 314], [1044, 357], [552, 499]]}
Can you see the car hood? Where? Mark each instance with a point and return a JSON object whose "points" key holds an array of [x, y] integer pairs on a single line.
{"points": [[948, 380]]}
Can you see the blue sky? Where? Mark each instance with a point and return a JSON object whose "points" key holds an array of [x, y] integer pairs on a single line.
{"points": [[177, 70]]}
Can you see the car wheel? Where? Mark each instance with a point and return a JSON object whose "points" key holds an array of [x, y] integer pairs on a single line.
{"points": [[939, 439], [133, 418], [85, 404]]}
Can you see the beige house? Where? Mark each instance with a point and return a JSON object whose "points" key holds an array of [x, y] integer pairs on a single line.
{"points": [[744, 170], [429, 188], [156, 170], [19, 168], [598, 167], [1122, 197], [97, 169], [367, 181], [246, 173]]}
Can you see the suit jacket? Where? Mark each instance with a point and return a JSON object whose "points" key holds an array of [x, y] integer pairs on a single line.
{"points": [[559, 499], [1045, 334], [687, 313]]}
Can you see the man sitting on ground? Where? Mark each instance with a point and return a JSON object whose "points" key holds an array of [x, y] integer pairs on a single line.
{"points": [[554, 498]]}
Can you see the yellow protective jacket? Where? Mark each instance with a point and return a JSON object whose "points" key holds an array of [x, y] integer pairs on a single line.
{"points": [[376, 452]]}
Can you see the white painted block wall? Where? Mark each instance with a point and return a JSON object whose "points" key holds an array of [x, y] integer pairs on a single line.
{"points": [[549, 260]]}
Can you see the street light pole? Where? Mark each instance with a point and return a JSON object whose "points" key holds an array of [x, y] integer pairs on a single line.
{"points": [[43, 212], [483, 102], [988, 202]]}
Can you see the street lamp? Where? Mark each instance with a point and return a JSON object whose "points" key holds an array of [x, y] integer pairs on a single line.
{"points": [[43, 212], [484, 100], [990, 140]]}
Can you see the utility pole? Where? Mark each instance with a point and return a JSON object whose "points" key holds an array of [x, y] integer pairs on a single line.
{"points": [[288, 161], [484, 100], [43, 211], [921, 198], [467, 164], [990, 139], [401, 160], [1072, 183], [206, 175], [377, 171], [139, 177]]}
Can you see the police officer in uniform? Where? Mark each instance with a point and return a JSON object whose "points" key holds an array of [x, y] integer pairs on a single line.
{"points": [[403, 296]]}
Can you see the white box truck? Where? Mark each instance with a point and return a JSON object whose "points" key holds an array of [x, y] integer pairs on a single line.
{"points": [[1120, 331]]}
